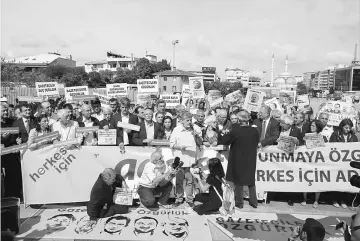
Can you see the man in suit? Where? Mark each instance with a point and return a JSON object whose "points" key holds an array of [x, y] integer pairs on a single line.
{"points": [[149, 130], [223, 125], [114, 106], [299, 122], [123, 135], [86, 120], [105, 123], [268, 127]]}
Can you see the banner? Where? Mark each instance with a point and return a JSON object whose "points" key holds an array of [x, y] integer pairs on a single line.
{"points": [[116, 90], [148, 85], [71, 223], [197, 87], [10, 130], [47, 88], [320, 170], [253, 100], [171, 100], [75, 91]]}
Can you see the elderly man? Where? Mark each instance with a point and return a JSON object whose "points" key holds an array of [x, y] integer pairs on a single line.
{"points": [[299, 122], [276, 114], [65, 127], [105, 123], [86, 120], [149, 130], [185, 142], [46, 110], [223, 124], [269, 128], [327, 130], [155, 180], [179, 109], [96, 106], [288, 128], [101, 203], [200, 119], [160, 107]]}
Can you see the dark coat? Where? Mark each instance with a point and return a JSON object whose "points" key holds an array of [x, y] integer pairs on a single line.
{"points": [[227, 126], [296, 132], [119, 133], [103, 123], [242, 157], [23, 134], [337, 137], [82, 124], [272, 131], [7, 123], [139, 137]]}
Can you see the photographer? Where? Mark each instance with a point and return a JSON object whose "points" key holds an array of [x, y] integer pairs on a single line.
{"points": [[312, 230]]}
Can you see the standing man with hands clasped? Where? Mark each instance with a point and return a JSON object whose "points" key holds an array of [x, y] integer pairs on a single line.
{"points": [[185, 142]]}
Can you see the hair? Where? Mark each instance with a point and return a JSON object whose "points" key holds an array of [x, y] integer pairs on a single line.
{"points": [[343, 123], [159, 112], [104, 109], [136, 111], [11, 105], [96, 101], [201, 103], [38, 120], [160, 101], [286, 119], [318, 125], [68, 215], [216, 168], [267, 109], [275, 113], [300, 113], [113, 100], [68, 106], [150, 218], [4, 105], [119, 218], [62, 112], [149, 109], [25, 105], [125, 101]]}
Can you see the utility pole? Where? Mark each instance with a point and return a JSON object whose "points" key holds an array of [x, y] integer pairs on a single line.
{"points": [[174, 43]]}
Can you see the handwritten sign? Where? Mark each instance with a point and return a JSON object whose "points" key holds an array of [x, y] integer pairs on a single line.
{"points": [[287, 143], [10, 130], [107, 137], [83, 97], [47, 88], [30, 99], [46, 137], [253, 100], [86, 129], [197, 87], [70, 92], [171, 100], [115, 90], [123, 197], [128, 126], [13, 149], [313, 140], [148, 85]]}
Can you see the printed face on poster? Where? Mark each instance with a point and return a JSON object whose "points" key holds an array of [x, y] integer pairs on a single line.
{"points": [[197, 87], [338, 110], [47, 88], [116, 90], [253, 100], [273, 104], [75, 91], [303, 100], [287, 97], [171, 100], [148, 86]]}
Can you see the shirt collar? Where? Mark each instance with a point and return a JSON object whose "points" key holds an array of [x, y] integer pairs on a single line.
{"points": [[151, 124], [87, 121]]}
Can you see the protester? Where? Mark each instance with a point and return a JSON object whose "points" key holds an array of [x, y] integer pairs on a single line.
{"points": [[312, 230], [211, 201], [167, 129], [96, 107], [42, 128], [160, 107], [101, 203], [357, 128], [179, 109], [299, 122], [25, 124], [17, 112], [234, 118], [287, 129], [210, 134], [344, 132], [200, 118], [155, 180], [159, 117], [223, 123], [139, 112], [185, 142], [105, 123], [86, 120], [76, 111], [46, 110], [70, 109], [65, 127], [242, 158], [268, 127], [114, 105], [148, 130]]}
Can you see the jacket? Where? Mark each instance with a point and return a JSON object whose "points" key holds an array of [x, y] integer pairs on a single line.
{"points": [[272, 131], [23, 134], [336, 136], [119, 133], [139, 137]]}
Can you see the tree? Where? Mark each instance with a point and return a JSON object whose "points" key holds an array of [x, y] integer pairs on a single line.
{"points": [[95, 81], [224, 87], [9, 72], [144, 69], [125, 76], [301, 89], [160, 66], [106, 75], [71, 79], [56, 71]]}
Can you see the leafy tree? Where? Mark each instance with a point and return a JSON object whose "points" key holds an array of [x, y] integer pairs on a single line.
{"points": [[301, 89], [125, 76], [71, 79], [224, 87], [9, 72], [161, 66], [106, 75], [143, 69], [56, 71], [95, 81]]}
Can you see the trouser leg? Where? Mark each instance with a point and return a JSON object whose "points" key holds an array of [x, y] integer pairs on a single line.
{"points": [[146, 196], [165, 192]]}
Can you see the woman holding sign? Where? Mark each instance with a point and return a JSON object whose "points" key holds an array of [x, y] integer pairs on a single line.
{"points": [[42, 128]]}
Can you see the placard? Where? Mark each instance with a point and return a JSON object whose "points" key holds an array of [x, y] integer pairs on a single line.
{"points": [[148, 85], [12, 149], [87, 129], [107, 137], [216, 102], [287, 143], [116, 90], [157, 142], [197, 87], [30, 99], [144, 100], [75, 91], [303, 100], [128, 126], [66, 143], [186, 93], [83, 98], [253, 100], [273, 104], [10, 130], [287, 97], [314, 140], [48, 136], [171, 100], [104, 100], [235, 97], [47, 88]]}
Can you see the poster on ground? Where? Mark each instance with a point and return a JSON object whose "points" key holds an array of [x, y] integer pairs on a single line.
{"points": [[75, 91], [253, 100], [47, 88], [171, 100], [197, 87], [148, 86], [116, 90]]}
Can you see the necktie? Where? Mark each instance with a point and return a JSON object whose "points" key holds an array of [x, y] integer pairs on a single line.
{"points": [[27, 127], [263, 130]]}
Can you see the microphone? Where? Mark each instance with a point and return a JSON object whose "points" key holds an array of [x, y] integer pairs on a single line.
{"points": [[355, 164]]}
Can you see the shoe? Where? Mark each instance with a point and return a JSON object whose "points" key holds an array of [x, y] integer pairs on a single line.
{"points": [[344, 206], [315, 205], [239, 206], [303, 203], [254, 206], [335, 204], [290, 202]]}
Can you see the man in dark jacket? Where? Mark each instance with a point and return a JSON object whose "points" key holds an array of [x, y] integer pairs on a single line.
{"points": [[148, 130], [268, 127], [101, 203], [86, 120]]}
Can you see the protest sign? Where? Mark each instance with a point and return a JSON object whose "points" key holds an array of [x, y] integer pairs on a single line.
{"points": [[148, 85], [216, 102], [235, 97], [197, 87], [270, 92], [75, 91], [87, 129], [116, 90], [144, 100], [30, 99], [303, 100], [171, 100], [46, 137], [13, 149], [69, 142], [213, 95], [47, 88], [273, 104], [313, 140], [106, 137], [83, 97], [253, 100], [104, 100], [186, 93], [338, 111], [157, 142], [10, 130], [287, 143], [128, 126], [287, 97]]}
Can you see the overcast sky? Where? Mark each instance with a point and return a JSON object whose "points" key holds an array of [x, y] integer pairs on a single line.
{"points": [[220, 33]]}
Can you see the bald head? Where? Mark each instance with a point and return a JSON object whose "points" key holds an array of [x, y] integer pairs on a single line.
{"points": [[157, 158], [108, 175], [324, 118], [46, 108], [86, 111]]}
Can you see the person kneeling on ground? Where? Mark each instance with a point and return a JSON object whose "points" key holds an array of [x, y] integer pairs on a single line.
{"points": [[101, 203], [312, 230], [155, 179], [211, 201]]}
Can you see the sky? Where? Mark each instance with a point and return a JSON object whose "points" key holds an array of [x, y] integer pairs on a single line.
{"points": [[224, 34]]}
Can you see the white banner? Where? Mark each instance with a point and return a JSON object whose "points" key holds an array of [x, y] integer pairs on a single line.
{"points": [[75, 91], [197, 87], [115, 90], [171, 100], [47, 88], [148, 85], [253, 100]]}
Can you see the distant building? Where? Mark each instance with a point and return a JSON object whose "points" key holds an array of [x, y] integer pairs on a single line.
{"points": [[173, 80], [32, 63], [308, 79], [209, 73], [151, 58], [285, 80], [249, 78]]}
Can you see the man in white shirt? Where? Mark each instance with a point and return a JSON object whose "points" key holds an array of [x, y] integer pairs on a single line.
{"points": [[86, 120], [160, 107], [46, 109], [96, 106], [327, 130], [149, 130], [155, 180], [185, 142], [65, 127]]}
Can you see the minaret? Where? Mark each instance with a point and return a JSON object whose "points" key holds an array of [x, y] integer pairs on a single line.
{"points": [[286, 64], [272, 70]]}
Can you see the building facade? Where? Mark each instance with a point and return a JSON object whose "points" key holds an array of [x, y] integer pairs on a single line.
{"points": [[208, 73], [171, 81], [249, 78]]}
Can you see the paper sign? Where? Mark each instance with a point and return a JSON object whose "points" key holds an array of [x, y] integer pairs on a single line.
{"points": [[10, 130], [30, 99], [216, 102], [67, 143], [103, 98], [253, 100], [287, 143], [159, 143], [86, 129], [186, 92], [287, 97], [148, 85], [273, 104], [47, 88], [115, 90], [235, 97], [216, 148], [303, 100], [171, 100], [128, 126], [314, 140], [107, 137], [13, 149], [48, 136], [144, 100], [197, 87], [83, 97], [75, 91]]}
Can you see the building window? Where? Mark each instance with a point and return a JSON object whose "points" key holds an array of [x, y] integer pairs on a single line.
{"points": [[174, 89], [164, 88], [165, 78]]}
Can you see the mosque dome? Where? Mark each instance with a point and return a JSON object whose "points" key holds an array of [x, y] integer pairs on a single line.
{"points": [[285, 80]]}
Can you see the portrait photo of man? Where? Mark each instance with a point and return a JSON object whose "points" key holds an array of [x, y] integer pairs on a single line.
{"points": [[254, 98], [59, 222], [114, 225], [329, 107], [84, 226], [176, 228], [336, 108], [145, 226]]}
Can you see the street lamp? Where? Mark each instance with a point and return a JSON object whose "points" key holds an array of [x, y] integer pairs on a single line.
{"points": [[174, 43]]}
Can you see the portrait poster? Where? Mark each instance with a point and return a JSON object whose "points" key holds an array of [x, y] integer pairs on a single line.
{"points": [[107, 137], [273, 104], [197, 87], [287, 143], [287, 97], [314, 140], [302, 101], [337, 111], [253, 100]]}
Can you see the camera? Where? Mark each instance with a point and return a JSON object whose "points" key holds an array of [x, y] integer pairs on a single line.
{"points": [[355, 179]]}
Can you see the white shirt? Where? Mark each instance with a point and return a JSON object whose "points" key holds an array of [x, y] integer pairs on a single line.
{"points": [[125, 119], [149, 130], [90, 137], [99, 116], [266, 123], [327, 131], [181, 136], [149, 174], [285, 133], [26, 123], [67, 132]]}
